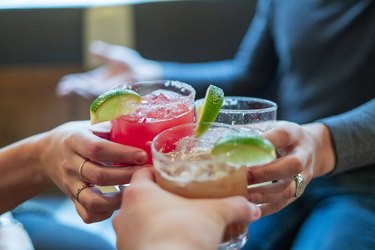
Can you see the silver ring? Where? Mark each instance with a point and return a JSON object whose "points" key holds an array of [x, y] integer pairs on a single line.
{"points": [[300, 185], [81, 167]]}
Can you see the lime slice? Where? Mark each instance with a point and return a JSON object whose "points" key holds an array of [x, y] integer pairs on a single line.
{"points": [[213, 100], [245, 149], [199, 108], [113, 103]]}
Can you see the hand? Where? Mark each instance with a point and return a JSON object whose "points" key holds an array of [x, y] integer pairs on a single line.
{"points": [[121, 64], [305, 150], [62, 151], [152, 218]]}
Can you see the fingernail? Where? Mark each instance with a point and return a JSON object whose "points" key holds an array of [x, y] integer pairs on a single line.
{"points": [[140, 157], [256, 212]]}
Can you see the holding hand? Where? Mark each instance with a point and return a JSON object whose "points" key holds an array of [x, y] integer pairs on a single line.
{"points": [[120, 64], [306, 151], [68, 156], [152, 218]]}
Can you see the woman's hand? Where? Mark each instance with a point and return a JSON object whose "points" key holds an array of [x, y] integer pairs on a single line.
{"points": [[61, 152], [305, 150], [152, 218], [120, 64]]}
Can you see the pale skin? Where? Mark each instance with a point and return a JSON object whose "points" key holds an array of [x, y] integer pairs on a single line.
{"points": [[152, 218], [37, 163], [120, 64], [306, 150]]}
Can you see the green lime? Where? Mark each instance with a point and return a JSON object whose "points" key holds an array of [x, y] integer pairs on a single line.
{"points": [[113, 103], [213, 101], [245, 149]]}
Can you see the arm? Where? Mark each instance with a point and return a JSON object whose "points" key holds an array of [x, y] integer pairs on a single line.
{"points": [[30, 166], [254, 63], [152, 218], [252, 69], [353, 135]]}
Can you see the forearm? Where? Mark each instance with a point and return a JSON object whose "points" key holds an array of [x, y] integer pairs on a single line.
{"points": [[21, 177], [353, 135]]}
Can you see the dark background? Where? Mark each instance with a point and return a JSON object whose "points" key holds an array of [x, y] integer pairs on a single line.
{"points": [[39, 46]]}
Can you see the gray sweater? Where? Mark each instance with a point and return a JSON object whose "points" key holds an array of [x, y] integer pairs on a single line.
{"points": [[316, 59]]}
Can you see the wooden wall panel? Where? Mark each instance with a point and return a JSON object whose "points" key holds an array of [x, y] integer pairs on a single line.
{"points": [[29, 105]]}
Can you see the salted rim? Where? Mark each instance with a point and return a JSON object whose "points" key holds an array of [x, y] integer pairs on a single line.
{"points": [[273, 105]]}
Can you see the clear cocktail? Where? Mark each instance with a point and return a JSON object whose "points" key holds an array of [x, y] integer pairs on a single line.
{"points": [[185, 166]]}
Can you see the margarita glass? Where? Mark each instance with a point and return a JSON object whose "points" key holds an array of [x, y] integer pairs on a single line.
{"points": [[184, 166], [241, 110], [164, 104]]}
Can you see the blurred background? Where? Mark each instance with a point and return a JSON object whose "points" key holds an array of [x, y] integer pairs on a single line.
{"points": [[41, 43]]}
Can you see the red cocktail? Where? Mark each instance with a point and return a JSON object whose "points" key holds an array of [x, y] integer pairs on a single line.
{"points": [[165, 104]]}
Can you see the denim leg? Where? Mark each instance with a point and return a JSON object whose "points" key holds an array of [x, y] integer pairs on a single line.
{"points": [[340, 222], [335, 212], [278, 229], [47, 233]]}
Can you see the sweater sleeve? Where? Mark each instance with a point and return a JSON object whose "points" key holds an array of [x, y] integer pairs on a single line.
{"points": [[254, 64], [353, 135]]}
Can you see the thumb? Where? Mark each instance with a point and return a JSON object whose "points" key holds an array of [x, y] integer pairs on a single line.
{"points": [[238, 209]]}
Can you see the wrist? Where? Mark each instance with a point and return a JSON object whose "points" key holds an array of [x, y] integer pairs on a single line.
{"points": [[39, 144], [149, 70], [325, 158]]}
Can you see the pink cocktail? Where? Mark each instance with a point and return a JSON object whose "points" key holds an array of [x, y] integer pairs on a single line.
{"points": [[165, 104]]}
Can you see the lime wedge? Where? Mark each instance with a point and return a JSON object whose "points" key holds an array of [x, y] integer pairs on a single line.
{"points": [[113, 103], [199, 108], [245, 149], [213, 100]]}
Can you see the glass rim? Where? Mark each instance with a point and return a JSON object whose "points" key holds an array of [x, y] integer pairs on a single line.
{"points": [[175, 83], [272, 105], [193, 124]]}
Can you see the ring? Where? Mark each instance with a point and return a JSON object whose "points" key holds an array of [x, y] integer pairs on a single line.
{"points": [[300, 185], [79, 190], [81, 167]]}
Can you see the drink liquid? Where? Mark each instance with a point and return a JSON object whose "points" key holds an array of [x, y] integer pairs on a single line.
{"points": [[159, 110]]}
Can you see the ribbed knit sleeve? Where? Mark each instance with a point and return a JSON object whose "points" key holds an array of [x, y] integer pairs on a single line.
{"points": [[353, 135]]}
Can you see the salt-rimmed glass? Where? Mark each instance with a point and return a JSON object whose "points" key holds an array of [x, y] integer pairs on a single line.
{"points": [[242, 110], [184, 166], [150, 117]]}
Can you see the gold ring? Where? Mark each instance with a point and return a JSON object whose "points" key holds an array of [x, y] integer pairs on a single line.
{"points": [[79, 190], [81, 167]]}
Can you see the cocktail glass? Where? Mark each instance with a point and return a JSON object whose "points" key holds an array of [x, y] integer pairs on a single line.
{"points": [[241, 110], [164, 104], [184, 166], [248, 113]]}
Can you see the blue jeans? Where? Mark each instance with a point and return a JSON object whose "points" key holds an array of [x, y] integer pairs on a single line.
{"points": [[47, 233], [336, 212]]}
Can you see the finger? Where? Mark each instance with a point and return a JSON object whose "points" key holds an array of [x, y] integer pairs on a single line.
{"points": [[100, 49], [284, 167], [271, 208], [279, 191], [283, 135], [90, 216], [93, 147], [108, 175], [238, 209], [94, 200], [143, 175]]}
